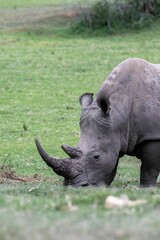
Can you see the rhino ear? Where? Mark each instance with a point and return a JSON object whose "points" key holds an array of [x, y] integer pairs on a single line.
{"points": [[104, 104], [86, 99]]}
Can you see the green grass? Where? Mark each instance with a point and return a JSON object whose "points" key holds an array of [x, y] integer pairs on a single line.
{"points": [[43, 73], [35, 3]]}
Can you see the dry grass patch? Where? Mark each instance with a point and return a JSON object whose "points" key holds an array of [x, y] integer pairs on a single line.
{"points": [[8, 175]]}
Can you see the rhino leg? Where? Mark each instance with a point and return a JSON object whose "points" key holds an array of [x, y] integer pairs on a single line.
{"points": [[150, 168]]}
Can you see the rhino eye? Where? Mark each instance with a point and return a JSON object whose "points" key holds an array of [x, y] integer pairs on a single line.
{"points": [[93, 158]]}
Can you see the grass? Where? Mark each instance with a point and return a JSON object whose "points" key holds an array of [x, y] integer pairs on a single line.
{"points": [[43, 73], [35, 3]]}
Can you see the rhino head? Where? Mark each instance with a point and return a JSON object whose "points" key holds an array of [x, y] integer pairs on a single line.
{"points": [[93, 162]]}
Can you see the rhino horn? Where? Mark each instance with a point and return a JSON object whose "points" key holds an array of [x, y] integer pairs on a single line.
{"points": [[62, 167], [72, 151]]}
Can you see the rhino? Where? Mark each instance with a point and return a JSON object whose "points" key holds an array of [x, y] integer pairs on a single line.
{"points": [[123, 118]]}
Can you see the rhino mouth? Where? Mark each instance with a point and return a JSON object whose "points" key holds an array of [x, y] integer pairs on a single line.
{"points": [[80, 184]]}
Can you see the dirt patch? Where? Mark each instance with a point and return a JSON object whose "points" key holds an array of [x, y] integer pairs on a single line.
{"points": [[8, 175], [20, 18], [11, 177]]}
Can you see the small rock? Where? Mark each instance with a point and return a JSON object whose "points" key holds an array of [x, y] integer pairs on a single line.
{"points": [[119, 202]]}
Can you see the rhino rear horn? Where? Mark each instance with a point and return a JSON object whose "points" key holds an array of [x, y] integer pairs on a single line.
{"points": [[72, 151], [62, 167]]}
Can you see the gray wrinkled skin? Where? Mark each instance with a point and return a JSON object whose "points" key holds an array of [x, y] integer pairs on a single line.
{"points": [[124, 118]]}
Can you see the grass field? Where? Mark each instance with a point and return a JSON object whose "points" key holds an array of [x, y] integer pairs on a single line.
{"points": [[44, 69]]}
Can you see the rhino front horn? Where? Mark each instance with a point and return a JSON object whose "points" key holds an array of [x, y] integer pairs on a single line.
{"points": [[71, 151], [62, 167]]}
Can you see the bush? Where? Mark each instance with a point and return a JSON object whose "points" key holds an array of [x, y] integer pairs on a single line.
{"points": [[117, 15]]}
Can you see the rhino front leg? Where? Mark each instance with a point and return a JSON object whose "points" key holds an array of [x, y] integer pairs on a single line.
{"points": [[150, 168]]}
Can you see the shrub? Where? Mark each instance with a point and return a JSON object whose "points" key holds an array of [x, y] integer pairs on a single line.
{"points": [[117, 15]]}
